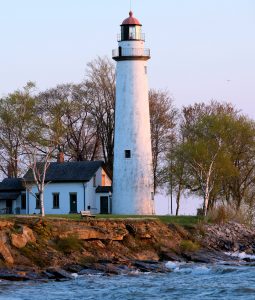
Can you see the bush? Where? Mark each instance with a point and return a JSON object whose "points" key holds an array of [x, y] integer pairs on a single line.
{"points": [[223, 214], [69, 244], [189, 246]]}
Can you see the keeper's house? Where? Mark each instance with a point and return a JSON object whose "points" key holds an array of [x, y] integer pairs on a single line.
{"points": [[70, 188]]}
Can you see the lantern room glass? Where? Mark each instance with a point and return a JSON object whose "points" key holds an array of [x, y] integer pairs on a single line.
{"points": [[130, 32]]}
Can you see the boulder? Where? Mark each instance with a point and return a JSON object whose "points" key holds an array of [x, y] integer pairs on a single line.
{"points": [[28, 233], [58, 273], [20, 240], [96, 233], [5, 224]]}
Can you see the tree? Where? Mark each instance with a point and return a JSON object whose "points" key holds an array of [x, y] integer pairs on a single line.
{"points": [[17, 111], [38, 164], [205, 129], [163, 117], [39, 142], [70, 104], [100, 84]]}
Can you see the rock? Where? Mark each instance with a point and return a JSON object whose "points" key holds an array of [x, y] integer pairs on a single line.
{"points": [[13, 277], [58, 273], [89, 272], [151, 267], [73, 268], [4, 250], [96, 233], [20, 240], [28, 233], [206, 256], [5, 223], [170, 256]]}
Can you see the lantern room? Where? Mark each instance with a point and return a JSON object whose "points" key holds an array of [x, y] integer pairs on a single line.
{"points": [[131, 29]]}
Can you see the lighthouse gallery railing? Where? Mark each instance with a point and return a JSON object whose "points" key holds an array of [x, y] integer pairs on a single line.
{"points": [[130, 52]]}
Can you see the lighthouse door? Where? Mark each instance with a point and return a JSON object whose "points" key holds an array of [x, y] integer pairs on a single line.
{"points": [[104, 205]]}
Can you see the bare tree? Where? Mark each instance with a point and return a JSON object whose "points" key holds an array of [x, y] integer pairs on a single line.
{"points": [[163, 117], [71, 104], [38, 164], [100, 82]]}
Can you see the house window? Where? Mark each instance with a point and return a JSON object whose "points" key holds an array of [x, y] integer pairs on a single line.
{"points": [[37, 203], [103, 179], [23, 201], [127, 153], [94, 181], [55, 198]]}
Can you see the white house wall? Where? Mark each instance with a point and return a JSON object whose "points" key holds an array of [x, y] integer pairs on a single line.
{"points": [[64, 190]]}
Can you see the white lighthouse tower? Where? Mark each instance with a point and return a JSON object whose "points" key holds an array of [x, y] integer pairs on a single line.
{"points": [[132, 167]]}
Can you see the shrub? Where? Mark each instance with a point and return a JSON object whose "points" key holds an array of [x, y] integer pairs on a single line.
{"points": [[189, 246], [69, 244], [223, 214]]}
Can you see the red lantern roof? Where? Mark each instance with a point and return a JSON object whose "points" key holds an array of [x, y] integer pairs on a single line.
{"points": [[131, 20]]}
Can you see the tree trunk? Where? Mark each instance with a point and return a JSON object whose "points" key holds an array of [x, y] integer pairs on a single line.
{"points": [[41, 198], [206, 201], [178, 200]]}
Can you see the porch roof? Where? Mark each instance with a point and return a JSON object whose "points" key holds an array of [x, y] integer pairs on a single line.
{"points": [[12, 184], [103, 189], [9, 195]]}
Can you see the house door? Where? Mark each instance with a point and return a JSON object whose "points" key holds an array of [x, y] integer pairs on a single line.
{"points": [[9, 206], [73, 203], [104, 205]]}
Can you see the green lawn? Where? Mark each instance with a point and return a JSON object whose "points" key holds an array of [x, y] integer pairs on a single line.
{"points": [[181, 220]]}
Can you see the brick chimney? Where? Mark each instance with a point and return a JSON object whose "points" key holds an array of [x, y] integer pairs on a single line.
{"points": [[60, 157]]}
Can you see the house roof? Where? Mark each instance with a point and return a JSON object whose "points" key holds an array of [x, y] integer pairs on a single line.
{"points": [[68, 171], [103, 189], [12, 184]]}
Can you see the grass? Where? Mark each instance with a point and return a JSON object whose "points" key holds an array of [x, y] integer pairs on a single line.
{"points": [[180, 220]]}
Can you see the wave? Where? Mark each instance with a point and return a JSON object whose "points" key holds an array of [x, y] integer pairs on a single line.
{"points": [[241, 255], [187, 268]]}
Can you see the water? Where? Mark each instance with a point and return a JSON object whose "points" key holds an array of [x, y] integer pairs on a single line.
{"points": [[186, 281]]}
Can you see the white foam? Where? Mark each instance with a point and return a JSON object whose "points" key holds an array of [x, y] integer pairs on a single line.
{"points": [[75, 275], [241, 255], [172, 265], [187, 268]]}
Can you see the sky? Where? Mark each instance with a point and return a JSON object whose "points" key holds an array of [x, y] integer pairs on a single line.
{"points": [[201, 49]]}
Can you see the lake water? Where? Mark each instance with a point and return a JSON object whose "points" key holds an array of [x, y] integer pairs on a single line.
{"points": [[186, 281]]}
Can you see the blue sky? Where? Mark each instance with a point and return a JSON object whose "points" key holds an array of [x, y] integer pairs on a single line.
{"points": [[197, 45]]}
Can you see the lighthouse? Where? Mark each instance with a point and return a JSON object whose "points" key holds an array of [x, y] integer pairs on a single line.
{"points": [[132, 167]]}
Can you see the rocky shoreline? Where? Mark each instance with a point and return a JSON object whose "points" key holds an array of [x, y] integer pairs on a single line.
{"points": [[59, 249]]}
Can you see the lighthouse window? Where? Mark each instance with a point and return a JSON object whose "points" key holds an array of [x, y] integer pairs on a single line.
{"points": [[145, 69], [132, 35], [127, 153]]}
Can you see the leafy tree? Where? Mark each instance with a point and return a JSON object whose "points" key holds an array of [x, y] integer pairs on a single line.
{"points": [[17, 111]]}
